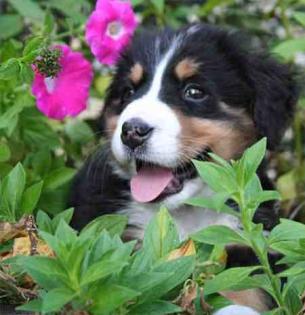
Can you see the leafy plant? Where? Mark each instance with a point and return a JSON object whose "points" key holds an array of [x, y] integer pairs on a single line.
{"points": [[96, 272], [238, 181], [99, 273], [16, 200]]}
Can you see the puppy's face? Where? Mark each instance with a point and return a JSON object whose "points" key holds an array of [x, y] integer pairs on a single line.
{"points": [[177, 96]]}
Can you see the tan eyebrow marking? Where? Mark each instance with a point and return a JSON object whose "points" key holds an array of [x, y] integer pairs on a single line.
{"points": [[136, 73], [186, 68]]}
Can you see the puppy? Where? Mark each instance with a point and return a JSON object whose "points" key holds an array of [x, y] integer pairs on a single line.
{"points": [[176, 96]]}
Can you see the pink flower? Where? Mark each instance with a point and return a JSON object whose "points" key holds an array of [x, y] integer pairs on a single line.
{"points": [[109, 29], [65, 94]]}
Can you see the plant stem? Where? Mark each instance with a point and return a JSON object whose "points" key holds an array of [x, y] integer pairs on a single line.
{"points": [[284, 18], [260, 253], [268, 271]]}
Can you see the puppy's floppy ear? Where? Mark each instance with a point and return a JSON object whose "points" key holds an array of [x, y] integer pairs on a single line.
{"points": [[276, 94]]}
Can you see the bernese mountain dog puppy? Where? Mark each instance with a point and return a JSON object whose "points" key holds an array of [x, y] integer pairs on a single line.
{"points": [[176, 96]]}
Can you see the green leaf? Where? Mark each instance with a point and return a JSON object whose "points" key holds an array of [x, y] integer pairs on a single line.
{"points": [[71, 8], [33, 44], [100, 270], [10, 25], [12, 189], [217, 301], [266, 195], [54, 300], [28, 9], [110, 297], [287, 185], [295, 282], [250, 161], [10, 117], [5, 152], [30, 198], [79, 131], [45, 271], [32, 306], [136, 2], [65, 234], [288, 48], [219, 235], [221, 161], [44, 222], [159, 4], [215, 202], [76, 258], [26, 73], [292, 251], [287, 230], [155, 308], [9, 70], [227, 279], [293, 301], [161, 235], [41, 162], [37, 133], [58, 177], [298, 268], [218, 178], [57, 246], [66, 216], [113, 223], [300, 17], [276, 311], [49, 24], [211, 4], [178, 271], [254, 281], [144, 281]]}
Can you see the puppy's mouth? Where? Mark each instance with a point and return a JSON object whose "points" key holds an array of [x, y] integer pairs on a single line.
{"points": [[153, 182]]}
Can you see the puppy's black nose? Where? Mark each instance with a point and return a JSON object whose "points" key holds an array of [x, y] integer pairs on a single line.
{"points": [[135, 132]]}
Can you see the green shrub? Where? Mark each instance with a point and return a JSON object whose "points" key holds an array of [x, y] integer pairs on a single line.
{"points": [[96, 272]]}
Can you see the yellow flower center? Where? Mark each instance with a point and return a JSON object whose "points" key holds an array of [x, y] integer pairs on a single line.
{"points": [[115, 29]]}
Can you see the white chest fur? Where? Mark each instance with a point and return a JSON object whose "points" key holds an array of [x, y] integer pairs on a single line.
{"points": [[188, 219]]}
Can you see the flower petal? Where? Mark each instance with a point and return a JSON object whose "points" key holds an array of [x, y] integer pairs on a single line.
{"points": [[104, 47], [70, 89]]}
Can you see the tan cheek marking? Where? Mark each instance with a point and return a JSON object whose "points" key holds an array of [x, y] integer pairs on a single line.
{"points": [[111, 124], [254, 298], [186, 68], [136, 73], [226, 139]]}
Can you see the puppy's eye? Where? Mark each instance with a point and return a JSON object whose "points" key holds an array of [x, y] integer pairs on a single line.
{"points": [[129, 91], [193, 92]]}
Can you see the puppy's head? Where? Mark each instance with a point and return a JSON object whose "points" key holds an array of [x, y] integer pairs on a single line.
{"points": [[178, 95]]}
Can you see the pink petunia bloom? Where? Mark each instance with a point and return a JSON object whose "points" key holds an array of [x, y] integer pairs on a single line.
{"points": [[65, 94], [109, 29]]}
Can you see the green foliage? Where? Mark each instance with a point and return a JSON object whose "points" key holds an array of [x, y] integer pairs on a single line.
{"points": [[17, 200], [240, 183], [99, 273], [96, 272]]}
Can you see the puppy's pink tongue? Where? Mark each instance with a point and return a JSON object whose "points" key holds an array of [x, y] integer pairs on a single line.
{"points": [[149, 183]]}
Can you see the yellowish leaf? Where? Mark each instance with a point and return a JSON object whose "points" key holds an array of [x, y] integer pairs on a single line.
{"points": [[187, 249], [23, 246]]}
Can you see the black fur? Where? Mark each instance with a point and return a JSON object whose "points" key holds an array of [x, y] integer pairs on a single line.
{"points": [[96, 190]]}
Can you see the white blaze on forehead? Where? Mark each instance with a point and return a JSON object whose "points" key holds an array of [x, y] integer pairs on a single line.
{"points": [[163, 145], [156, 85]]}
